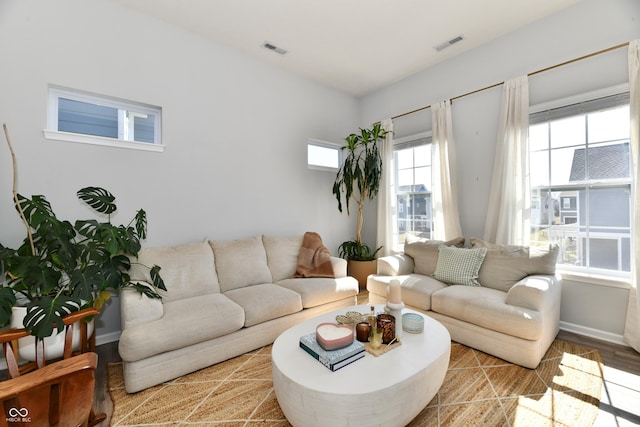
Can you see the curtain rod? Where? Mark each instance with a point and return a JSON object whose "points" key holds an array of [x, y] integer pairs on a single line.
{"points": [[609, 49]]}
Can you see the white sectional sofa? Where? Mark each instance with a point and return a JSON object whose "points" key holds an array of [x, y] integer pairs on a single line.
{"points": [[510, 308], [223, 298]]}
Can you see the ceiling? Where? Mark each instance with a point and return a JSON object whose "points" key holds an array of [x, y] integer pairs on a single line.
{"points": [[356, 46]]}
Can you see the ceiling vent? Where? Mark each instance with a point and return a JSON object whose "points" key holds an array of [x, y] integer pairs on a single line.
{"points": [[449, 43], [274, 48]]}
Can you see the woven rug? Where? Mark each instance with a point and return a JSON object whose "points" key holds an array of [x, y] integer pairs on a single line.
{"points": [[478, 389]]}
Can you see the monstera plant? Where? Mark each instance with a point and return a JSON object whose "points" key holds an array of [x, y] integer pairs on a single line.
{"points": [[62, 267]]}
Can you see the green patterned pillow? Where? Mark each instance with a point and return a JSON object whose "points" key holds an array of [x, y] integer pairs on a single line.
{"points": [[459, 266]]}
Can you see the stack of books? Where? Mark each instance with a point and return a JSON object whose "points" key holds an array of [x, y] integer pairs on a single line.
{"points": [[334, 359]]}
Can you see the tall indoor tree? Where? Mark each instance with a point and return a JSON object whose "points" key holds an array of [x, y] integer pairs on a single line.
{"points": [[358, 181]]}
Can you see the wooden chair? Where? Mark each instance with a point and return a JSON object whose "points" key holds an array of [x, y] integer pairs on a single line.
{"points": [[74, 321], [59, 394], [9, 339]]}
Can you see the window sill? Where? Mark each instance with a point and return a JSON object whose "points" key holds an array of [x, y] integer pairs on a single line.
{"points": [[98, 140], [322, 168], [596, 279]]}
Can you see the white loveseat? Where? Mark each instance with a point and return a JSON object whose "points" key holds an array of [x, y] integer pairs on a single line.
{"points": [[223, 298], [511, 310]]}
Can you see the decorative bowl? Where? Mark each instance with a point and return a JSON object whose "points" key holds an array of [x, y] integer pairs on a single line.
{"points": [[412, 323], [333, 336], [351, 318]]}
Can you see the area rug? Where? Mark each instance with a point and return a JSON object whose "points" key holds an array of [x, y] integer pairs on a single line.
{"points": [[478, 389]]}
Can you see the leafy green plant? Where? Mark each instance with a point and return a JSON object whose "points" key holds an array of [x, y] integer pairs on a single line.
{"points": [[358, 180], [357, 251], [61, 267]]}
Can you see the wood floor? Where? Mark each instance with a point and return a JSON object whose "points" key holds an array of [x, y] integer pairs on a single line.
{"points": [[619, 406]]}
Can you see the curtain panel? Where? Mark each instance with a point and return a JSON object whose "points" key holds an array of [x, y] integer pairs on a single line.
{"points": [[444, 192], [508, 213], [387, 200], [632, 324]]}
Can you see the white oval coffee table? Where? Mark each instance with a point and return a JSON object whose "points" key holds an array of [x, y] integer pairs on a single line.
{"points": [[388, 390]]}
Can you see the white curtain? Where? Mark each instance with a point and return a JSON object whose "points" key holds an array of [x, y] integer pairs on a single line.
{"points": [[387, 203], [632, 325], [444, 193], [508, 214]]}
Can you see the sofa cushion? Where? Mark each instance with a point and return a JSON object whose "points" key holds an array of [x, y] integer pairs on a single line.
{"points": [[240, 263], [459, 266], [282, 255], [504, 265], [425, 252], [487, 308], [187, 270], [265, 302], [416, 289], [184, 322], [316, 291]]}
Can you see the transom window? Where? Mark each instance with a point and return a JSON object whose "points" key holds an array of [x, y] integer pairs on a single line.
{"points": [[323, 155], [412, 164], [581, 182], [95, 119]]}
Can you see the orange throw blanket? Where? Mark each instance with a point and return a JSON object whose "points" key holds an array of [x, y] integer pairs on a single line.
{"points": [[314, 259]]}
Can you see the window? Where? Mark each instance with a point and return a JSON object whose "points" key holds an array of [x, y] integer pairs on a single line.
{"points": [[323, 155], [412, 164], [581, 182], [82, 117]]}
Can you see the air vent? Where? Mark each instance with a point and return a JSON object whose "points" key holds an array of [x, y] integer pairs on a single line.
{"points": [[449, 43], [274, 48]]}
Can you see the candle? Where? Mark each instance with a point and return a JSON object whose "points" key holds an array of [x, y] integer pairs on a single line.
{"points": [[394, 292]]}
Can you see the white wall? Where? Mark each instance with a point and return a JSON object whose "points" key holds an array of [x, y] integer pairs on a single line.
{"points": [[590, 26], [235, 129]]}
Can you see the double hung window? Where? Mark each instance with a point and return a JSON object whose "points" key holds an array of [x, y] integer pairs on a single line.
{"points": [[581, 182], [412, 165]]}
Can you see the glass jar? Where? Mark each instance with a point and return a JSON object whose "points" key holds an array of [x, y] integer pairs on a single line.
{"points": [[387, 322]]}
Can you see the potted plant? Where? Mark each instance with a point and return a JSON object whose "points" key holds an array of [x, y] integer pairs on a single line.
{"points": [[358, 179], [62, 267]]}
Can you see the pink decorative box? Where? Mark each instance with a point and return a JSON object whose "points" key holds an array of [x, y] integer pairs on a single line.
{"points": [[332, 336]]}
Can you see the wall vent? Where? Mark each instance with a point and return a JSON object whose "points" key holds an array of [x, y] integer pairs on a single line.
{"points": [[448, 43], [274, 48]]}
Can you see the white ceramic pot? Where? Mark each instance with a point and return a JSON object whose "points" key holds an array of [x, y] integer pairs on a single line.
{"points": [[53, 345]]}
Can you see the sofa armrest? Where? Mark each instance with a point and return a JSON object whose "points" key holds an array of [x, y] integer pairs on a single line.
{"points": [[535, 291], [395, 265], [136, 308], [339, 266]]}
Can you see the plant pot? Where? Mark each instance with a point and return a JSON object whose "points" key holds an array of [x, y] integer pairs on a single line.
{"points": [[53, 345], [360, 270]]}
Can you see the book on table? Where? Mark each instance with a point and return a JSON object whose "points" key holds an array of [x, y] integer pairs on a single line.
{"points": [[334, 359]]}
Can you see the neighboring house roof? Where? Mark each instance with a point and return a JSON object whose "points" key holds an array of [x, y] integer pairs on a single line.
{"points": [[605, 162], [417, 188]]}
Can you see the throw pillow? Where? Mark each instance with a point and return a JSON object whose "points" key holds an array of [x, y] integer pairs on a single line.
{"points": [[282, 255], [240, 263], [459, 266], [187, 269], [505, 265], [425, 252]]}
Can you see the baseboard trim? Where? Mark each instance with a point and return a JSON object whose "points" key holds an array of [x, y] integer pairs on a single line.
{"points": [[107, 338], [593, 333]]}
